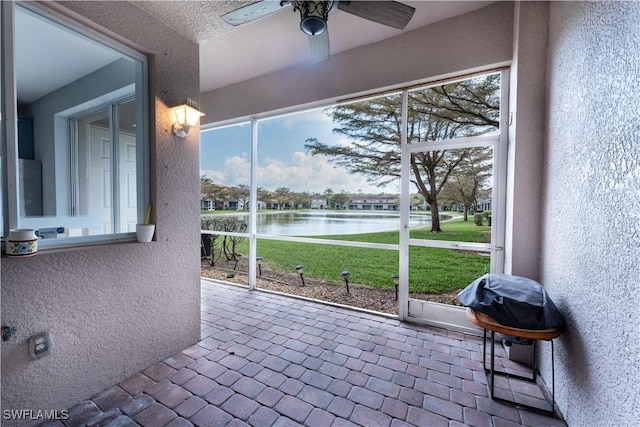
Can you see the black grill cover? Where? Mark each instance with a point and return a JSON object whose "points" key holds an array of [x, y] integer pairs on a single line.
{"points": [[513, 301]]}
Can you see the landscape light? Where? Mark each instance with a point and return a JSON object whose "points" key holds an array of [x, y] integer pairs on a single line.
{"points": [[259, 261], [396, 282], [299, 269], [345, 275]]}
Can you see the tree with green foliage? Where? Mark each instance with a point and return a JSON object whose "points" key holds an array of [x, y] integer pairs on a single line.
{"points": [[465, 186], [243, 193], [339, 200], [374, 127], [416, 200], [212, 191], [328, 194], [264, 195], [283, 195]]}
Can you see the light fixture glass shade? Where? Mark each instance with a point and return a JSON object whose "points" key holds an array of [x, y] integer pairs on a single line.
{"points": [[313, 16], [185, 117], [313, 25]]}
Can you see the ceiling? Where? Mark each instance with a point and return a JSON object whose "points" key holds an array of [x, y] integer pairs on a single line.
{"points": [[42, 45], [227, 54], [232, 54]]}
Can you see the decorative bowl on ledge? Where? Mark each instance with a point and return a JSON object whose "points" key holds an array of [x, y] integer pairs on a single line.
{"points": [[22, 242]]}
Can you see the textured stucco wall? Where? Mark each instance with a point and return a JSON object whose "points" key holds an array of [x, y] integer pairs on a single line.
{"points": [[113, 310], [591, 241], [467, 42]]}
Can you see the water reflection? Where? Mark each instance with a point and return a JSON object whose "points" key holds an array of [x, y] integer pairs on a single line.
{"points": [[317, 223]]}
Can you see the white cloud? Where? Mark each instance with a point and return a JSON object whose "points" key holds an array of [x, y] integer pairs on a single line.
{"points": [[303, 172], [237, 170], [216, 176], [316, 116]]}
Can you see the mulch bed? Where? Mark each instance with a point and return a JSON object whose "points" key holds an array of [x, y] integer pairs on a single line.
{"points": [[360, 296]]}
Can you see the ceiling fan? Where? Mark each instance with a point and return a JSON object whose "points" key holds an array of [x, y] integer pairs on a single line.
{"points": [[314, 15]]}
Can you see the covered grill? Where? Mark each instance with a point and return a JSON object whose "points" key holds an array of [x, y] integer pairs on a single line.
{"points": [[513, 301]]}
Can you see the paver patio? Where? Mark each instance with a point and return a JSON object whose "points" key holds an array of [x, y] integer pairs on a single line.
{"points": [[273, 360]]}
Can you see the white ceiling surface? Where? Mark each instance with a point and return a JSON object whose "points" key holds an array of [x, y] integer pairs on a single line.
{"points": [[42, 45], [233, 54], [228, 54]]}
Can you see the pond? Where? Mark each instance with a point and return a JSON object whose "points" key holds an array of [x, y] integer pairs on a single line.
{"points": [[321, 222]]}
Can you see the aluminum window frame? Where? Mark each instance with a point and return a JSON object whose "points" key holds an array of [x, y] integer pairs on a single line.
{"points": [[10, 177], [497, 140]]}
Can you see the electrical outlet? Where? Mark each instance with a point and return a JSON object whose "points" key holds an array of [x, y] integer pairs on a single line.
{"points": [[40, 345]]}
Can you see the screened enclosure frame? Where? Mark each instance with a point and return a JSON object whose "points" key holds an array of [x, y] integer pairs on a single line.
{"points": [[496, 140]]}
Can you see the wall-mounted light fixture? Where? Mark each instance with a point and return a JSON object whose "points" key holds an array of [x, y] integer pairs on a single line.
{"points": [[185, 117]]}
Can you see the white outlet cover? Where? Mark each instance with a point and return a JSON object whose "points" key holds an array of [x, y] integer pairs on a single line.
{"points": [[40, 345]]}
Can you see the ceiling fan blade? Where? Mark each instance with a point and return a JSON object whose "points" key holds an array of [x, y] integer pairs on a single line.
{"points": [[253, 11], [319, 45], [391, 13]]}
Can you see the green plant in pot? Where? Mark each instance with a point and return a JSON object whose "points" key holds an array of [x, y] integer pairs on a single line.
{"points": [[144, 231]]}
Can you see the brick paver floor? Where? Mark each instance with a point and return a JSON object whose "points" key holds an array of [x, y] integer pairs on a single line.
{"points": [[272, 360]]}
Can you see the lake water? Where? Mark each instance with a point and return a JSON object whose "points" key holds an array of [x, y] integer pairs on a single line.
{"points": [[317, 223]]}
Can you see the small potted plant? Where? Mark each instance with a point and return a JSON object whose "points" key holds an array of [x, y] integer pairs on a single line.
{"points": [[144, 232]]}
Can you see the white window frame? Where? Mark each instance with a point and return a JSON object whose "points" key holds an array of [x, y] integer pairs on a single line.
{"points": [[11, 198], [441, 315]]}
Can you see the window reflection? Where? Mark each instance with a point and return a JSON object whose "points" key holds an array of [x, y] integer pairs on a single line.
{"points": [[80, 128]]}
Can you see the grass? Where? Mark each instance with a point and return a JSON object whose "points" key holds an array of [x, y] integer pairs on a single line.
{"points": [[431, 270]]}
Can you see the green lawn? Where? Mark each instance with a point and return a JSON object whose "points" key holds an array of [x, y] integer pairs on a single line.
{"points": [[432, 270]]}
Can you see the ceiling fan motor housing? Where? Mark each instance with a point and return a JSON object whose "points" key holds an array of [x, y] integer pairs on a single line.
{"points": [[313, 15]]}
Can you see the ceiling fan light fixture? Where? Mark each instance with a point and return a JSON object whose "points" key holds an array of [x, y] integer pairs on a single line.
{"points": [[313, 15], [313, 25]]}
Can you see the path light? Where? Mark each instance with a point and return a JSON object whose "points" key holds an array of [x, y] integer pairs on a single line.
{"points": [[259, 261], [396, 282], [299, 269], [345, 275]]}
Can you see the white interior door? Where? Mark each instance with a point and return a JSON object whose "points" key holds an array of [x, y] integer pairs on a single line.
{"points": [[100, 177], [106, 183], [128, 184]]}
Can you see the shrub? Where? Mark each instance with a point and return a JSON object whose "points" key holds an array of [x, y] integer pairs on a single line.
{"points": [[226, 245], [477, 218]]}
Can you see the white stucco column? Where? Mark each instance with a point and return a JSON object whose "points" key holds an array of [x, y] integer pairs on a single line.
{"points": [[526, 139]]}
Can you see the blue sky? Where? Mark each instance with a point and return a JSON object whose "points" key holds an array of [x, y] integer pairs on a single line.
{"points": [[282, 158]]}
